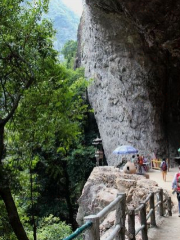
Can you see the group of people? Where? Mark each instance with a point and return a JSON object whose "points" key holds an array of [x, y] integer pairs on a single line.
{"points": [[175, 182], [138, 162]]}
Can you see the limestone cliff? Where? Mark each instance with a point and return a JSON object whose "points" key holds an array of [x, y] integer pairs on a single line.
{"points": [[131, 50]]}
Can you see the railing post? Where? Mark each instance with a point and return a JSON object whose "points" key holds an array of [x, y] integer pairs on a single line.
{"points": [[143, 222], [120, 216], [161, 203], [153, 217], [131, 224], [169, 205], [93, 232]]}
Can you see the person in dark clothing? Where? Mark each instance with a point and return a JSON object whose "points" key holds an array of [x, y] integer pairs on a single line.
{"points": [[163, 167]]}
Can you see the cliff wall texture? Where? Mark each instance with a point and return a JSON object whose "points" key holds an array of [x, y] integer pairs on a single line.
{"points": [[130, 49]]}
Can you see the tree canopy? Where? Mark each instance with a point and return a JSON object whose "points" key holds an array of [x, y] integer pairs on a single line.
{"points": [[69, 51], [26, 47], [42, 120]]}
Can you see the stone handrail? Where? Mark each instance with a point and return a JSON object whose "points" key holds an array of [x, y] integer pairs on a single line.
{"points": [[119, 231]]}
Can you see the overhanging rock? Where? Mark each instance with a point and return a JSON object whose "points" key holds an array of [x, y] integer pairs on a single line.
{"points": [[131, 52]]}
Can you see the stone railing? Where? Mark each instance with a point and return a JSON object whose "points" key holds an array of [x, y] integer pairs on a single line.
{"points": [[119, 231]]}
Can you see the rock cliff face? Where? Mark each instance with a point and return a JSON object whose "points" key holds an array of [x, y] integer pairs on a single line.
{"points": [[131, 50]]}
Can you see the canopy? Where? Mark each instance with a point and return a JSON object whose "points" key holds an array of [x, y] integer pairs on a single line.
{"points": [[125, 149]]}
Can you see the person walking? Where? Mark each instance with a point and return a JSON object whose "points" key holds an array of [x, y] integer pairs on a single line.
{"points": [[163, 167], [140, 163], [176, 187]]}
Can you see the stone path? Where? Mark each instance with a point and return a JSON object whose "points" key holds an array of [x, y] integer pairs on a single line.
{"points": [[168, 227], [168, 230]]}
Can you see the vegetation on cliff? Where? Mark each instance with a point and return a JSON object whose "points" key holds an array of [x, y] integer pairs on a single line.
{"points": [[45, 155]]}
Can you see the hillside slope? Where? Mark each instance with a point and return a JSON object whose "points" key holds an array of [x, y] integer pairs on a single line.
{"points": [[64, 21]]}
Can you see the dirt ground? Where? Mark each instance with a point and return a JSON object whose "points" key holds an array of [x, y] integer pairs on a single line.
{"points": [[168, 227], [156, 175]]}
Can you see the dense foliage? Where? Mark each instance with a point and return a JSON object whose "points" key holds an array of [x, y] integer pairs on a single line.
{"points": [[45, 148], [69, 51]]}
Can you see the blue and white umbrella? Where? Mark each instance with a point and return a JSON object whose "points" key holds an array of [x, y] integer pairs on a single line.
{"points": [[125, 149]]}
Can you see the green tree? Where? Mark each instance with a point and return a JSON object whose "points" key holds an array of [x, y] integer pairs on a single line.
{"points": [[53, 127], [52, 228], [69, 51], [42, 113], [25, 53]]}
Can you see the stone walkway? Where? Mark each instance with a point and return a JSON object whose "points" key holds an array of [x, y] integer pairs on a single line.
{"points": [[168, 230], [168, 227]]}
